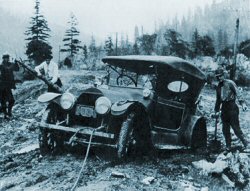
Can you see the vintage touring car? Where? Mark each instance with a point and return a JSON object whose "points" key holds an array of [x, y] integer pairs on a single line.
{"points": [[151, 104]]}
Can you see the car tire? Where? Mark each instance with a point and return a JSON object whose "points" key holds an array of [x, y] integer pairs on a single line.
{"points": [[199, 139], [49, 143], [126, 137]]}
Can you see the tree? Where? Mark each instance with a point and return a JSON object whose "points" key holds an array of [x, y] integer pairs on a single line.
{"points": [[109, 46], [227, 52], [71, 41], [195, 44], [85, 52], [220, 42], [244, 48], [176, 46], [38, 48], [147, 43], [207, 47], [92, 46], [93, 53], [136, 34], [225, 39], [136, 50], [125, 47], [202, 45]]}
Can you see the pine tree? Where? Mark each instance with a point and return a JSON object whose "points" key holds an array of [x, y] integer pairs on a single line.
{"points": [[207, 46], [71, 41], [136, 50], [195, 46], [225, 39], [92, 46], [125, 47], [147, 43], [109, 46], [38, 48], [220, 45], [177, 46], [92, 54], [136, 34], [85, 52], [244, 48]]}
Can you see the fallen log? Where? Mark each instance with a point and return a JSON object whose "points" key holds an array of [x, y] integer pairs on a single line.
{"points": [[43, 78]]}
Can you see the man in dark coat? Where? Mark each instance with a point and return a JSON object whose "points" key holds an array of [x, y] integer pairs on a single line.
{"points": [[7, 83], [226, 94]]}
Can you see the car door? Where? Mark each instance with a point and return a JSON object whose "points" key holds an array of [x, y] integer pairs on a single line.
{"points": [[169, 109]]}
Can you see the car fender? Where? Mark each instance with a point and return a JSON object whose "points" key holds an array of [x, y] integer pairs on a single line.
{"points": [[47, 97], [120, 107], [190, 123]]}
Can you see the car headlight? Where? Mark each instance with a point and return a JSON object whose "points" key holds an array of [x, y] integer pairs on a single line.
{"points": [[67, 101], [102, 105], [146, 93]]}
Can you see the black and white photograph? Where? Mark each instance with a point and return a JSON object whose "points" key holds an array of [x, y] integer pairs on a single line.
{"points": [[124, 95]]}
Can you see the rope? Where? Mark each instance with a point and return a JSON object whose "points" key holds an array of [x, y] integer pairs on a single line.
{"points": [[84, 162]]}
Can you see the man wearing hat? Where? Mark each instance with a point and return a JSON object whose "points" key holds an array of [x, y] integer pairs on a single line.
{"points": [[226, 94], [51, 72], [7, 83]]}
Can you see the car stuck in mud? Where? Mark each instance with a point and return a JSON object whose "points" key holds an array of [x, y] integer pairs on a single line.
{"points": [[146, 102]]}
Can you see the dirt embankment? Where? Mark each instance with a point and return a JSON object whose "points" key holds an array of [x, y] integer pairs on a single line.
{"points": [[23, 168]]}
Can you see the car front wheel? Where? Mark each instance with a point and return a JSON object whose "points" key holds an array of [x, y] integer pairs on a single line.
{"points": [[126, 137], [49, 141]]}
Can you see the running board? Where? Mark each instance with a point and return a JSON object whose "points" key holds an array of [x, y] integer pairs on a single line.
{"points": [[76, 129], [170, 147]]}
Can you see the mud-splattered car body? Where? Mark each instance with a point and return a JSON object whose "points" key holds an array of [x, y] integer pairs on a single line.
{"points": [[130, 118]]}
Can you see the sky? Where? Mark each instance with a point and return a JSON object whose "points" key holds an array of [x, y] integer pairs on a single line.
{"points": [[106, 17]]}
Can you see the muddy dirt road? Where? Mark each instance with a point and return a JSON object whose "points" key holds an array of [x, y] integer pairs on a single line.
{"points": [[23, 168]]}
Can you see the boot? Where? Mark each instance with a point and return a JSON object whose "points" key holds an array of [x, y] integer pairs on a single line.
{"points": [[5, 113], [9, 111], [246, 147]]}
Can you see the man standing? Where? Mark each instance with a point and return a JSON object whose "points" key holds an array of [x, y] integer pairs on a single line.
{"points": [[226, 94], [51, 72], [7, 82]]}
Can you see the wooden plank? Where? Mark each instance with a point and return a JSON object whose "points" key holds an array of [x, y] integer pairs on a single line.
{"points": [[78, 129]]}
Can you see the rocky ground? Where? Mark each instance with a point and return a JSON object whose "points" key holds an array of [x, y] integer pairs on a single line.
{"points": [[23, 168]]}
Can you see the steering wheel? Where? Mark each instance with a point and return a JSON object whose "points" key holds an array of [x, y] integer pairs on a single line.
{"points": [[125, 80]]}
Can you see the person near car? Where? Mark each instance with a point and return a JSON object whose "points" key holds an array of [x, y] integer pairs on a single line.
{"points": [[226, 94], [7, 83], [50, 70]]}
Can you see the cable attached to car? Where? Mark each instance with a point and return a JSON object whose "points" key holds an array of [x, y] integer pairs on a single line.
{"points": [[86, 156]]}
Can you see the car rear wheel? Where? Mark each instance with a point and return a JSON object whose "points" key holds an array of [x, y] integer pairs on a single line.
{"points": [[49, 141], [199, 138]]}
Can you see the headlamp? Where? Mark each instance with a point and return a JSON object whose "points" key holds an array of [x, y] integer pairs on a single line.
{"points": [[102, 105], [146, 93], [67, 101]]}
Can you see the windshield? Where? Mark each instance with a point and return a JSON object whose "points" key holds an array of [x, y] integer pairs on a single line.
{"points": [[120, 77]]}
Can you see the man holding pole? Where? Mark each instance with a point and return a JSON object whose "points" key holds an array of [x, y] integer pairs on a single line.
{"points": [[51, 72], [226, 94]]}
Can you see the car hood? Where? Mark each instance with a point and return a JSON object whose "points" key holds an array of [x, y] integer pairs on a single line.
{"points": [[116, 94]]}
